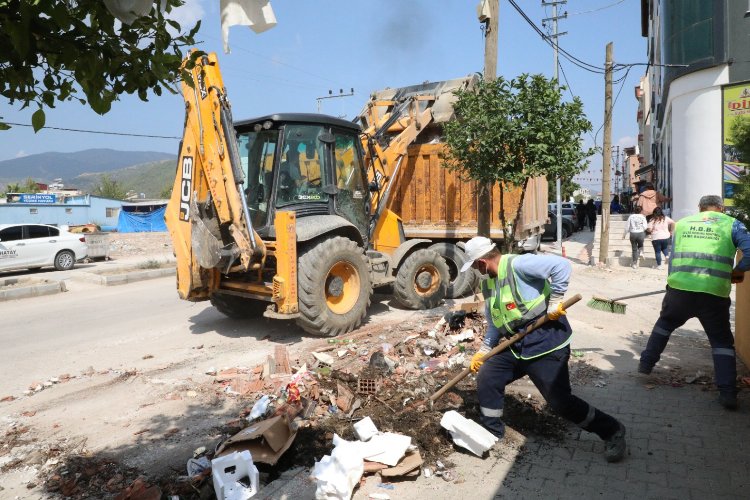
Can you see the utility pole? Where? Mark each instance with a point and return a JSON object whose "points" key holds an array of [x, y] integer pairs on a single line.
{"points": [[488, 11], [331, 95], [555, 35], [606, 152]]}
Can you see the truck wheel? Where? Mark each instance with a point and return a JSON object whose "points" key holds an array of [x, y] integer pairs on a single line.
{"points": [[421, 281], [334, 287], [65, 260], [460, 283], [238, 307]]}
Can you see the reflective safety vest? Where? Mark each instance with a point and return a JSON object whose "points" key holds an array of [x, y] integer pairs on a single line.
{"points": [[703, 254], [508, 309]]}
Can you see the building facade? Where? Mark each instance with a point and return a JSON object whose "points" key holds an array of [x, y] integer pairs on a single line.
{"points": [[696, 84], [61, 211]]}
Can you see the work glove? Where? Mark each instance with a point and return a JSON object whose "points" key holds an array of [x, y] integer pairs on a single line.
{"points": [[555, 309], [476, 360]]}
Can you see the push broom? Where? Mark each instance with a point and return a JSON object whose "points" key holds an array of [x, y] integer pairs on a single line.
{"points": [[614, 305]]}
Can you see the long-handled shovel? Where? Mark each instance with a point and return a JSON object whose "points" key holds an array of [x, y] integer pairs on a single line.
{"points": [[501, 347]]}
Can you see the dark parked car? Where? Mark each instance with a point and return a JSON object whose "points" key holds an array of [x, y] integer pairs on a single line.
{"points": [[550, 229]]}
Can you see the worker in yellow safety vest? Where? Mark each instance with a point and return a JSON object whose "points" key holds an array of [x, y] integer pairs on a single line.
{"points": [[701, 272], [518, 290]]}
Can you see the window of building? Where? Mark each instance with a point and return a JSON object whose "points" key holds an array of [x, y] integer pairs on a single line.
{"points": [[113, 211], [33, 211], [68, 210], [688, 31]]}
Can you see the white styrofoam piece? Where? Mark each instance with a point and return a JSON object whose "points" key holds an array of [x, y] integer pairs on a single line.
{"points": [[365, 429], [337, 474], [467, 433], [228, 470]]}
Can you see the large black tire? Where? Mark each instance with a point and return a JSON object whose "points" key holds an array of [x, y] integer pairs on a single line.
{"points": [[334, 287], [422, 280], [237, 307], [459, 283], [65, 260]]}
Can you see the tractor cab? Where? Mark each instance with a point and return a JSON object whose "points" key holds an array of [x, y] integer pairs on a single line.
{"points": [[308, 164]]}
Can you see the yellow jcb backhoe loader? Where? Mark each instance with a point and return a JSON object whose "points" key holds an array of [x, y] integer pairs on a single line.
{"points": [[274, 217]]}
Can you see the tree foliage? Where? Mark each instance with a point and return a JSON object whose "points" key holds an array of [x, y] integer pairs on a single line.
{"points": [[509, 131], [739, 134], [567, 188], [107, 187], [54, 51]]}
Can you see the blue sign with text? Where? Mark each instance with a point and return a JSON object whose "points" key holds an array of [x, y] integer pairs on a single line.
{"points": [[38, 198]]}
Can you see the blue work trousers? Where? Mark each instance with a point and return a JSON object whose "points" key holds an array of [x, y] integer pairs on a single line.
{"points": [[549, 373], [679, 306]]}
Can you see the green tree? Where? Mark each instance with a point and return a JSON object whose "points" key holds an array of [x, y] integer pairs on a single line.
{"points": [[53, 49], [567, 187], [107, 187], [29, 186], [739, 134], [166, 193], [510, 131], [13, 187]]}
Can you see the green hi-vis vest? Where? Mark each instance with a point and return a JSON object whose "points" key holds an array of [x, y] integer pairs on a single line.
{"points": [[508, 309], [703, 254]]}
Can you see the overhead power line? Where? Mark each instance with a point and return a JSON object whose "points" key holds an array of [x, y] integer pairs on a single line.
{"points": [[597, 9], [124, 134]]}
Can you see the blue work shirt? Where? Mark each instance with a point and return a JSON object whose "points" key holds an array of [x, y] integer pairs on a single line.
{"points": [[741, 240], [532, 271]]}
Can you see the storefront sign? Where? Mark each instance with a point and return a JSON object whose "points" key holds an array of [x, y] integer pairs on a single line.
{"points": [[38, 198], [736, 107]]}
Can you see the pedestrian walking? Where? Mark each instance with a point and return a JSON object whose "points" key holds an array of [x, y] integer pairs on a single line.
{"points": [[660, 228], [518, 290], [591, 214], [636, 228], [614, 205], [701, 273], [581, 215], [649, 199]]}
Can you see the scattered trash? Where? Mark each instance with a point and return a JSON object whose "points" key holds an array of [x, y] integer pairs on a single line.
{"points": [[211, 371], [235, 476], [196, 466], [266, 440], [339, 473], [379, 496], [259, 408], [427, 472], [411, 462], [323, 358], [600, 383], [365, 429], [467, 433], [387, 486], [467, 334]]}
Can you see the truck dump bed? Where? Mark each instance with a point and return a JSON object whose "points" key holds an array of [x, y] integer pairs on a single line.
{"points": [[434, 203]]}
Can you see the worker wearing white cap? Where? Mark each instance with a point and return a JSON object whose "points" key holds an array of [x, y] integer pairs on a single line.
{"points": [[517, 290]]}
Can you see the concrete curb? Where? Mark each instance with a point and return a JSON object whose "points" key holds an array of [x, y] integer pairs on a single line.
{"points": [[24, 292], [125, 277]]}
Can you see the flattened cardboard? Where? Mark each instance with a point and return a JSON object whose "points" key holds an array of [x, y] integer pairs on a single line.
{"points": [[266, 440], [407, 464]]}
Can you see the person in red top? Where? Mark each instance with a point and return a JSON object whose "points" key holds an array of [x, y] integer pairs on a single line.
{"points": [[649, 199]]}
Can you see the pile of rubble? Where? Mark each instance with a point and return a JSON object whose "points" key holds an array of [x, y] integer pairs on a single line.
{"points": [[363, 395]]}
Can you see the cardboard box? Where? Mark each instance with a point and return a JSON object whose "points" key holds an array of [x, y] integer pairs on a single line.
{"points": [[266, 440]]}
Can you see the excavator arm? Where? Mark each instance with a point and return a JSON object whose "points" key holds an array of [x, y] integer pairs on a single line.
{"points": [[207, 214]]}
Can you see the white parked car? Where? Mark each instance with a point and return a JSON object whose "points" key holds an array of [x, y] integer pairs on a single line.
{"points": [[31, 246]]}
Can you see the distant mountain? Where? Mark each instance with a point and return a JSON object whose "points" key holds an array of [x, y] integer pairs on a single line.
{"points": [[46, 167], [151, 179]]}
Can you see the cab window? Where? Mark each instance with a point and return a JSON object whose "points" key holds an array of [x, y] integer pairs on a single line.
{"points": [[351, 201], [257, 152], [303, 167], [12, 233]]}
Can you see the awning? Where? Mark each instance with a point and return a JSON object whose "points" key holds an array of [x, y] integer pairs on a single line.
{"points": [[645, 170]]}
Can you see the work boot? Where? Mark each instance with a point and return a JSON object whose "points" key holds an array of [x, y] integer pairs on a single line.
{"points": [[644, 368], [728, 400], [615, 446]]}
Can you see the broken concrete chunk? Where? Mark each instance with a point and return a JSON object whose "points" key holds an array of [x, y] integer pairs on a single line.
{"points": [[323, 358]]}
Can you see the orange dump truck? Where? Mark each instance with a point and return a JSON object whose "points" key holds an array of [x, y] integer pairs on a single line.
{"points": [[433, 202]]}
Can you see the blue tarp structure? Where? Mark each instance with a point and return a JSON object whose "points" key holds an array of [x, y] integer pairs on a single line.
{"points": [[134, 222]]}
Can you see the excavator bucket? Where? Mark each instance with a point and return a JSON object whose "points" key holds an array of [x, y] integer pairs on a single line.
{"points": [[386, 107]]}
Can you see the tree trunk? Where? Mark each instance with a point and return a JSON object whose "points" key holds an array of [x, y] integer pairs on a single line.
{"points": [[484, 207], [517, 216]]}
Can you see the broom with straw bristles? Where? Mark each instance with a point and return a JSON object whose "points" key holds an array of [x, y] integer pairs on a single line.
{"points": [[614, 305]]}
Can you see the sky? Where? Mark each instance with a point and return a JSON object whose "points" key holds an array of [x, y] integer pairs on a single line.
{"points": [[322, 45]]}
